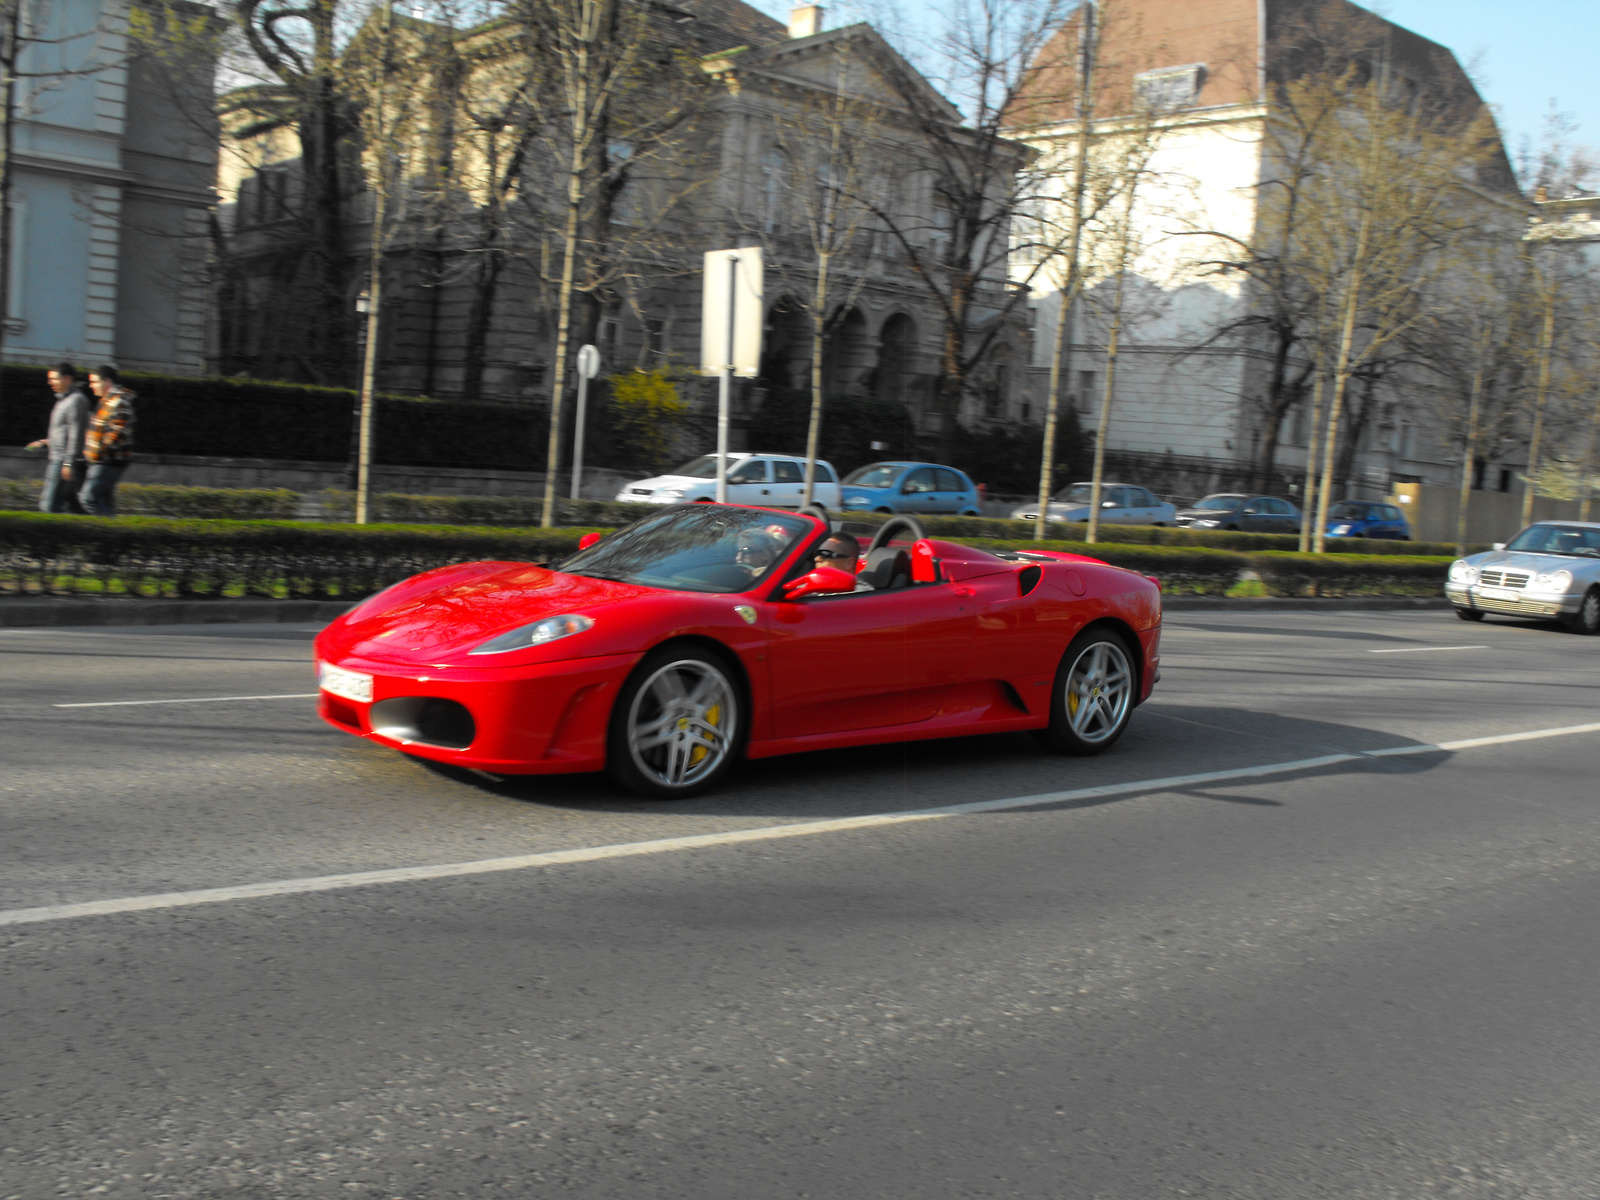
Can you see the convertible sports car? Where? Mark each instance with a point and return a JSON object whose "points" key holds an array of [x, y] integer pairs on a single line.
{"points": [[704, 632]]}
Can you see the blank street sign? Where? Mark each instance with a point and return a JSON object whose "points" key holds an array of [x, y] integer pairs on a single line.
{"points": [[746, 294]]}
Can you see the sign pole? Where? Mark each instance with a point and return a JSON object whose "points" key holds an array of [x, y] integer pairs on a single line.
{"points": [[726, 384], [588, 368]]}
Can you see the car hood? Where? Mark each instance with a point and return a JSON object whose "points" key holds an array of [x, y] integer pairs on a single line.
{"points": [[1208, 514], [469, 608], [661, 481], [1519, 560]]}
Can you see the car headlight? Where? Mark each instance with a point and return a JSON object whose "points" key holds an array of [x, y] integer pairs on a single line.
{"points": [[671, 493], [548, 630], [1553, 581], [1339, 530], [1206, 524], [1461, 571], [857, 501]]}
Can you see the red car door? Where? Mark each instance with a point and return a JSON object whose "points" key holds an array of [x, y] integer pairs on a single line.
{"points": [[866, 659]]}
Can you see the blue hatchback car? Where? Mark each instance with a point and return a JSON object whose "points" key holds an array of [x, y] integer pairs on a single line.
{"points": [[1359, 518], [909, 487]]}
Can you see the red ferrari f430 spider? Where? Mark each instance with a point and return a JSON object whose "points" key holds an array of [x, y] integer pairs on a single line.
{"points": [[705, 632]]}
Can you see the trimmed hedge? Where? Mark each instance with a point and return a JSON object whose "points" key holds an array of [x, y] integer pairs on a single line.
{"points": [[143, 556], [961, 528], [161, 500], [402, 509], [42, 553]]}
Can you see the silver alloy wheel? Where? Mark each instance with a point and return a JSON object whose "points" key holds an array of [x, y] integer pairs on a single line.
{"points": [[682, 723], [1099, 689]]}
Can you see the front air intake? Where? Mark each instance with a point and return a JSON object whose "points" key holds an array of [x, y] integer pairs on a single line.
{"points": [[425, 720]]}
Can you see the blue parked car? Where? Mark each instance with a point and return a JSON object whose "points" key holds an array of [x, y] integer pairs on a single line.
{"points": [[909, 487], [1358, 518]]}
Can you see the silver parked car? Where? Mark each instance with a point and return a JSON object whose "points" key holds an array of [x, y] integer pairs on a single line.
{"points": [[1120, 504], [1551, 569]]}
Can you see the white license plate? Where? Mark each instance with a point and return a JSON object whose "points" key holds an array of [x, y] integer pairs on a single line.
{"points": [[352, 685], [1491, 593]]}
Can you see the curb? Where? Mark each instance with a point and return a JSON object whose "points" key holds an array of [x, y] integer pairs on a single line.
{"points": [[1300, 604], [51, 611]]}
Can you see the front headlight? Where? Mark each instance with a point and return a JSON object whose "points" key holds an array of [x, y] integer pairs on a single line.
{"points": [[1461, 571], [1553, 581], [671, 493], [537, 634], [1340, 530], [1206, 524], [857, 502]]}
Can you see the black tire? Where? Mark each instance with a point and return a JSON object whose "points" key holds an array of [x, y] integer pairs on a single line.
{"points": [[681, 707], [1587, 619], [1469, 614], [1097, 667]]}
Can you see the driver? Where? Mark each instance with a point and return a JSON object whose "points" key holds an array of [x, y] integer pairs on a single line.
{"points": [[842, 552]]}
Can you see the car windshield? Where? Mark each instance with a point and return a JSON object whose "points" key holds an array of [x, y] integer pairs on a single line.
{"points": [[1078, 493], [873, 475], [1220, 503], [1558, 539], [699, 548], [1347, 512], [704, 467]]}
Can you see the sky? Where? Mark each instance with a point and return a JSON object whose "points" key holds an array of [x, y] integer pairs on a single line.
{"points": [[1522, 53]]}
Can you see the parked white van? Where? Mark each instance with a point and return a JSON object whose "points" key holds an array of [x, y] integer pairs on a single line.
{"points": [[765, 480]]}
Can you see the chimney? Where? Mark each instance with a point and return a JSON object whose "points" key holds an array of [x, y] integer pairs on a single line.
{"points": [[805, 20]]}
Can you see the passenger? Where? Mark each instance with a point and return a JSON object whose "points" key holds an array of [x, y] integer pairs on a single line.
{"points": [[842, 552], [758, 549]]}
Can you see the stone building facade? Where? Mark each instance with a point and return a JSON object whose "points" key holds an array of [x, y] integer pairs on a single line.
{"points": [[1183, 396], [735, 191], [115, 159]]}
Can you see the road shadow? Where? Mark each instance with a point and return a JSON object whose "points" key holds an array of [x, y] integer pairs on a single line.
{"points": [[1161, 742]]}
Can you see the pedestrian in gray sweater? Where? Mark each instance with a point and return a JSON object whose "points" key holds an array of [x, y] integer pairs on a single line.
{"points": [[69, 420]]}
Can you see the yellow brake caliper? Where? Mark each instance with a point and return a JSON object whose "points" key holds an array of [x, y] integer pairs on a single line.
{"points": [[713, 719]]}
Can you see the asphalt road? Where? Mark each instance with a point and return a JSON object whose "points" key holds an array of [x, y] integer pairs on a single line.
{"points": [[1371, 978]]}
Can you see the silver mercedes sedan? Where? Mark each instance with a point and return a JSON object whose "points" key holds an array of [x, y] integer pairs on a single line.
{"points": [[1551, 569]]}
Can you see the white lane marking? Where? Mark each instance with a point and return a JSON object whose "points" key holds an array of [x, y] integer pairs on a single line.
{"points": [[1425, 649], [487, 866], [195, 700]]}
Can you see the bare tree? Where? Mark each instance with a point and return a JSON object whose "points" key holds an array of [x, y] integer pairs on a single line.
{"points": [[814, 222], [958, 240], [617, 101], [1381, 221]]}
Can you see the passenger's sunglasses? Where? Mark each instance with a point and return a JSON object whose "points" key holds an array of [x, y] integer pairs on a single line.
{"points": [[834, 554]]}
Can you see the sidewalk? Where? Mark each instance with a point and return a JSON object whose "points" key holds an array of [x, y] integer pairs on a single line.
{"points": [[48, 611]]}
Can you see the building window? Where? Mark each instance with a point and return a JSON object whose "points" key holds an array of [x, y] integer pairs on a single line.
{"points": [[774, 187], [652, 350], [1170, 87], [15, 284], [1085, 390]]}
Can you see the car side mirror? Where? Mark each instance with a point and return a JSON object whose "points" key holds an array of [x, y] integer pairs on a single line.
{"points": [[824, 581], [589, 539], [1498, 546]]}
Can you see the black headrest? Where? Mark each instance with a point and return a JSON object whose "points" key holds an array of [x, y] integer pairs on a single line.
{"points": [[887, 567]]}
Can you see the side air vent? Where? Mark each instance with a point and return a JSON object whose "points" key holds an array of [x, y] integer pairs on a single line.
{"points": [[1028, 579], [426, 720]]}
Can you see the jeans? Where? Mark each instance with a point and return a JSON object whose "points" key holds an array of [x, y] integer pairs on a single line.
{"points": [[98, 487], [60, 495]]}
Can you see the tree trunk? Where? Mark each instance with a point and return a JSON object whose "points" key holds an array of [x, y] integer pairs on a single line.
{"points": [[1093, 533], [558, 386], [1061, 352], [819, 303], [1546, 347], [1313, 442], [1464, 494]]}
